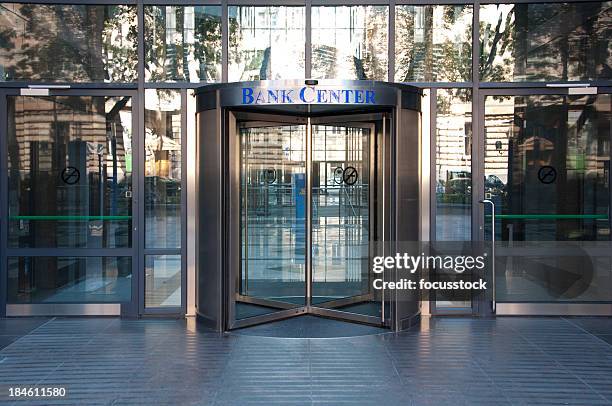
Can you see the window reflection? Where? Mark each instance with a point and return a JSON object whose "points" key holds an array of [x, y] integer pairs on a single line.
{"points": [[433, 43], [69, 279], [453, 165], [183, 43], [525, 135], [350, 42], [266, 43], [72, 43], [547, 168], [163, 280], [70, 171], [547, 41], [163, 168], [273, 213]]}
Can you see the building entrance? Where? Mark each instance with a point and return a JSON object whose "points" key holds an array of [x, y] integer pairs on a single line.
{"points": [[307, 191], [296, 193]]}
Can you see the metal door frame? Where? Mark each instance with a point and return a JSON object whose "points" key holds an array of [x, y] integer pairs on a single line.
{"points": [[375, 141], [478, 210], [127, 309], [232, 273], [234, 218]]}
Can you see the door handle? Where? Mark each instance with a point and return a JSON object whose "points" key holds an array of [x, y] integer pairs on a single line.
{"points": [[488, 201]]}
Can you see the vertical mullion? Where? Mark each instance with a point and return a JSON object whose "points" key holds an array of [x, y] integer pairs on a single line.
{"points": [[477, 147], [433, 142], [433, 181], [308, 259], [4, 221], [224, 41], [138, 202], [391, 42], [183, 251], [308, 39]]}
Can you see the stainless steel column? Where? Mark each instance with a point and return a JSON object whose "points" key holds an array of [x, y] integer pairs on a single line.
{"points": [[308, 256]]}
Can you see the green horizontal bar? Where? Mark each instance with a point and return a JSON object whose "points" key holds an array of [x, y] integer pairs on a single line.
{"points": [[74, 218], [550, 216]]}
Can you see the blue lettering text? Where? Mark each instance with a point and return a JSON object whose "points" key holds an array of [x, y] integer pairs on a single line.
{"points": [[322, 96], [247, 95], [286, 96], [272, 96], [307, 95], [334, 96], [369, 97], [358, 96]]}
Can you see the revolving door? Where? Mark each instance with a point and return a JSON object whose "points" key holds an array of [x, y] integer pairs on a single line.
{"points": [[292, 201]]}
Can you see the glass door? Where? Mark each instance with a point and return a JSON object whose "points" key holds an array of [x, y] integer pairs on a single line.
{"points": [[547, 171], [343, 220], [69, 197], [272, 195], [305, 195]]}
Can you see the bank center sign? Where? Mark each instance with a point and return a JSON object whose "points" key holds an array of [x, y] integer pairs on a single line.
{"points": [[308, 95]]}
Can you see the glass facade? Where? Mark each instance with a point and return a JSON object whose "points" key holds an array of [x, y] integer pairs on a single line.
{"points": [[163, 168], [546, 42], [453, 149], [163, 281], [266, 43], [433, 43], [527, 135], [40, 280], [68, 43], [183, 44], [96, 175], [350, 42], [70, 172]]}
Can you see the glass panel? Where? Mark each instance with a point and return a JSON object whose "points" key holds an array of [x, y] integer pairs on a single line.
{"points": [[453, 165], [547, 41], [341, 219], [266, 43], [70, 171], [453, 184], [273, 219], [162, 280], [183, 43], [68, 43], [547, 168], [433, 43], [162, 168], [571, 135], [350, 42], [69, 279]]}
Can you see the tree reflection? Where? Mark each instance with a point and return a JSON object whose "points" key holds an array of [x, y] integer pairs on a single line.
{"points": [[68, 42], [545, 42], [183, 43], [433, 43]]}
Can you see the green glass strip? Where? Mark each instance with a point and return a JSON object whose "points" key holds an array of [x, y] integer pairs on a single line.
{"points": [[70, 218], [550, 216]]}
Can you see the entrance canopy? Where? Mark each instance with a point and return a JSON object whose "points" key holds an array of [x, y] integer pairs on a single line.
{"points": [[309, 97]]}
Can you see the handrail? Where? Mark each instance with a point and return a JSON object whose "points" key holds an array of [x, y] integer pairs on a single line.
{"points": [[550, 216], [492, 215], [78, 218]]}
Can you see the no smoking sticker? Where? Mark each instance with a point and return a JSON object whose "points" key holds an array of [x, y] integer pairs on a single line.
{"points": [[71, 175]]}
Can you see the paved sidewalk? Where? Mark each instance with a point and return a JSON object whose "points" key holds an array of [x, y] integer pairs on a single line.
{"points": [[447, 361]]}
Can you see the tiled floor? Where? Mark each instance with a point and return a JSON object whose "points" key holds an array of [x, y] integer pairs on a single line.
{"points": [[503, 361]]}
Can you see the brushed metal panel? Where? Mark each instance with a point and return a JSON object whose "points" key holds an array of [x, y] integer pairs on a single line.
{"points": [[554, 309], [64, 309], [210, 214]]}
